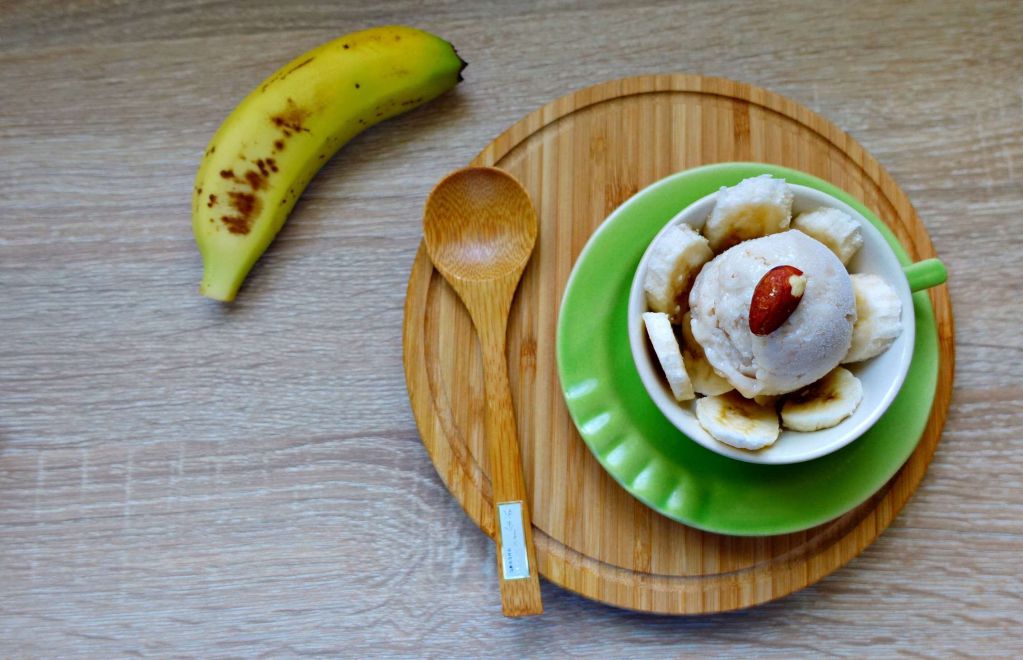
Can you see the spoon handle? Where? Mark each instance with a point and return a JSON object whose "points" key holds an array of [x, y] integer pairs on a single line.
{"points": [[516, 554]]}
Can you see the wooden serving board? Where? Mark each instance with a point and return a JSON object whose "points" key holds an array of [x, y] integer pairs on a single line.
{"points": [[580, 157]]}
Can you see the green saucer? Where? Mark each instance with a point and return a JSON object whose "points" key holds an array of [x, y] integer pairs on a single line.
{"points": [[657, 463]]}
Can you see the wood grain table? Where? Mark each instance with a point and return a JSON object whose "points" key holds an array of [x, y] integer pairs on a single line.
{"points": [[179, 477]]}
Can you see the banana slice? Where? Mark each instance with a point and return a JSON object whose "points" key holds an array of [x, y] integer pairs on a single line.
{"points": [[823, 404], [754, 207], [738, 422], [675, 259], [767, 400], [658, 329], [836, 229], [878, 317], [706, 381]]}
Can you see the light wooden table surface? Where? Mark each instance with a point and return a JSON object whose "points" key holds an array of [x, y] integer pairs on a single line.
{"points": [[182, 478]]}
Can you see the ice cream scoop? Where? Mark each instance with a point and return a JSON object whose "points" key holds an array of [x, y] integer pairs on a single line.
{"points": [[809, 344]]}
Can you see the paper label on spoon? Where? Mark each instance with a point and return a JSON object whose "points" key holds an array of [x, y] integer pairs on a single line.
{"points": [[514, 562]]}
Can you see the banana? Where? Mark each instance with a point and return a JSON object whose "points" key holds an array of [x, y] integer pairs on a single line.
{"points": [[662, 337], [705, 380], [835, 229], [878, 317], [675, 259], [270, 147], [738, 422], [752, 208], [823, 404]]}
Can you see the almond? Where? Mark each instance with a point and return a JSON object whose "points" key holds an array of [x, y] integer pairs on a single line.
{"points": [[775, 298]]}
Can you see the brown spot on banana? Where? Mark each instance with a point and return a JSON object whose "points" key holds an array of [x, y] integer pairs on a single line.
{"points": [[255, 180], [247, 206], [291, 118]]}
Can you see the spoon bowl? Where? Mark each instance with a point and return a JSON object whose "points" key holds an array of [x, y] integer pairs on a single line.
{"points": [[479, 224]]}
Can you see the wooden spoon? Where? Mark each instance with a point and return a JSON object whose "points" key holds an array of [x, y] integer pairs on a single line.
{"points": [[480, 228]]}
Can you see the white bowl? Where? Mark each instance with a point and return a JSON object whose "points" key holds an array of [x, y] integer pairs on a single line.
{"points": [[881, 376]]}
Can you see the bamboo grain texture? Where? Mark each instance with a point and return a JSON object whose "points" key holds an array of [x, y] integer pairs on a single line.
{"points": [[179, 478]]}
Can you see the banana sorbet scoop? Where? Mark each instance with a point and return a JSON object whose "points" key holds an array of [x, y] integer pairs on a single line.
{"points": [[809, 344]]}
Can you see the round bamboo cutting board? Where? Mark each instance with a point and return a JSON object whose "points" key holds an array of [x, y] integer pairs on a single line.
{"points": [[580, 157]]}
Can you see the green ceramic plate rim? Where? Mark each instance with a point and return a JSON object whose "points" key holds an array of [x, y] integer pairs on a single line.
{"points": [[659, 465]]}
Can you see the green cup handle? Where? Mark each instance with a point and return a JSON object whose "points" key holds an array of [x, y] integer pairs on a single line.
{"points": [[925, 274]]}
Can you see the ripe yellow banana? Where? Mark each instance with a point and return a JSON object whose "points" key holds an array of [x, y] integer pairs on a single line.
{"points": [[274, 142]]}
